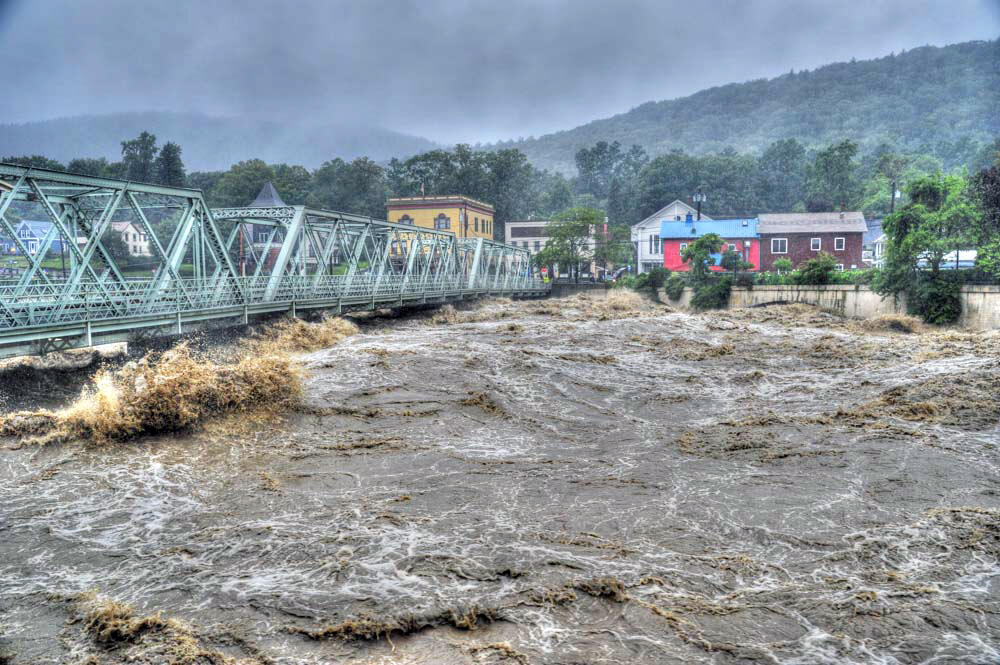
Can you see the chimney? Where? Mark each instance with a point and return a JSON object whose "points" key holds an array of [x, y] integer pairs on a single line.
{"points": [[689, 218]]}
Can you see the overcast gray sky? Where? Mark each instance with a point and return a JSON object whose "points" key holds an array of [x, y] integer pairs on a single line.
{"points": [[458, 70]]}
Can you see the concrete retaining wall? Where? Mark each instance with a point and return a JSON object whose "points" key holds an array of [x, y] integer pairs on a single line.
{"points": [[980, 304]]}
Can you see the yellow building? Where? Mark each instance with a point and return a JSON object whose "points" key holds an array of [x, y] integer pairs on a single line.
{"points": [[465, 217]]}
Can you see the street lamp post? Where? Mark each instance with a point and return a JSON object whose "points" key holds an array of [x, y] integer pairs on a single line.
{"points": [[699, 198]]}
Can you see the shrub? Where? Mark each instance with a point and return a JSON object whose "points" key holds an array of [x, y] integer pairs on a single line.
{"points": [[656, 277], [625, 282], [936, 299], [712, 294], [675, 286], [744, 280], [816, 271], [782, 265]]}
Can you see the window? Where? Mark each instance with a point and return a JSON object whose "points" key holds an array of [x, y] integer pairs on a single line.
{"points": [[402, 246], [538, 245], [262, 236], [779, 245], [838, 244], [732, 247], [442, 222], [677, 218], [683, 246], [652, 249], [840, 267], [475, 224], [815, 244], [406, 219]]}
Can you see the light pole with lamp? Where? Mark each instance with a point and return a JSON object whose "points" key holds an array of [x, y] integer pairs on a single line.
{"points": [[699, 198]]}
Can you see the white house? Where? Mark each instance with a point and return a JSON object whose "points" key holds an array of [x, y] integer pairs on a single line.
{"points": [[646, 234], [134, 237]]}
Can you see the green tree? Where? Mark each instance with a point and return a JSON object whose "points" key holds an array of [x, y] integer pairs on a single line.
{"points": [[596, 167], [359, 187], [830, 180], [985, 191], [139, 157], [169, 166], [239, 185], [206, 182], [782, 170], [37, 161], [939, 218], [733, 261], [699, 255], [97, 167], [293, 182], [558, 196], [614, 248], [570, 240]]}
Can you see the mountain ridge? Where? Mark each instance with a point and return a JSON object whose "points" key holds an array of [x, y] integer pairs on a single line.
{"points": [[208, 142], [901, 99]]}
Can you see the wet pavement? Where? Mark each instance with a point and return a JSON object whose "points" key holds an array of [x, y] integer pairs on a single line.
{"points": [[562, 481]]}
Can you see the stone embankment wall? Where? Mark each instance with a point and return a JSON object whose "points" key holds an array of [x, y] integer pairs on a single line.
{"points": [[980, 304]]}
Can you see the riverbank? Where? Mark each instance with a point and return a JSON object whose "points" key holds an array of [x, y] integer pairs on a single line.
{"points": [[980, 303], [598, 479]]}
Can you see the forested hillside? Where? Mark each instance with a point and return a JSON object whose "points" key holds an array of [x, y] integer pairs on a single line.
{"points": [[209, 142], [930, 100]]}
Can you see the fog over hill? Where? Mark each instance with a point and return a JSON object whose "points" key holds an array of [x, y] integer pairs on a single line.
{"points": [[209, 143]]}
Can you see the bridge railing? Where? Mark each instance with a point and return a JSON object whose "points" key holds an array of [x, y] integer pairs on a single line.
{"points": [[49, 304]]}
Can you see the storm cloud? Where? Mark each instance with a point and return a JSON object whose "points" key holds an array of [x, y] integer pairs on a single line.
{"points": [[451, 71]]}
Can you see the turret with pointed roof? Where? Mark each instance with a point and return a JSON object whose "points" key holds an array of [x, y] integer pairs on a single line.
{"points": [[268, 197]]}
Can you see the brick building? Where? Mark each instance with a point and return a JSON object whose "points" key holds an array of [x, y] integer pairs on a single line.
{"points": [[802, 236]]}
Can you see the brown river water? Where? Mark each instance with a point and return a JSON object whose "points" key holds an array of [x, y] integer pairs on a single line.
{"points": [[583, 480]]}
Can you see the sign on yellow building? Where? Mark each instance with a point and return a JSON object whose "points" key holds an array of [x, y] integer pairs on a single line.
{"points": [[465, 217]]}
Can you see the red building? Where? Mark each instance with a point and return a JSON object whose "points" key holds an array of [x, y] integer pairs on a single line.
{"points": [[737, 234], [802, 236]]}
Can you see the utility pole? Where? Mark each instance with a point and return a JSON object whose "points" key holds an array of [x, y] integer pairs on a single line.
{"points": [[893, 195]]}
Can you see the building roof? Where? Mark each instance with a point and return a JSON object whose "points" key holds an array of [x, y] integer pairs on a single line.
{"points": [[659, 215], [812, 222], [268, 197], [38, 229], [727, 228], [447, 200], [873, 232]]}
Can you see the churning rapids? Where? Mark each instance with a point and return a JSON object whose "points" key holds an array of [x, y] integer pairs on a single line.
{"points": [[584, 480]]}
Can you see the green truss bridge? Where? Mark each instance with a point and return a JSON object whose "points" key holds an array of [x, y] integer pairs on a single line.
{"points": [[113, 260]]}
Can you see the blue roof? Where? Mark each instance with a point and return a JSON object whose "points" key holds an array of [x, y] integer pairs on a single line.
{"points": [[726, 228]]}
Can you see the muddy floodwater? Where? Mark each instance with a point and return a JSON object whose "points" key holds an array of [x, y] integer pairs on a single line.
{"points": [[583, 480]]}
